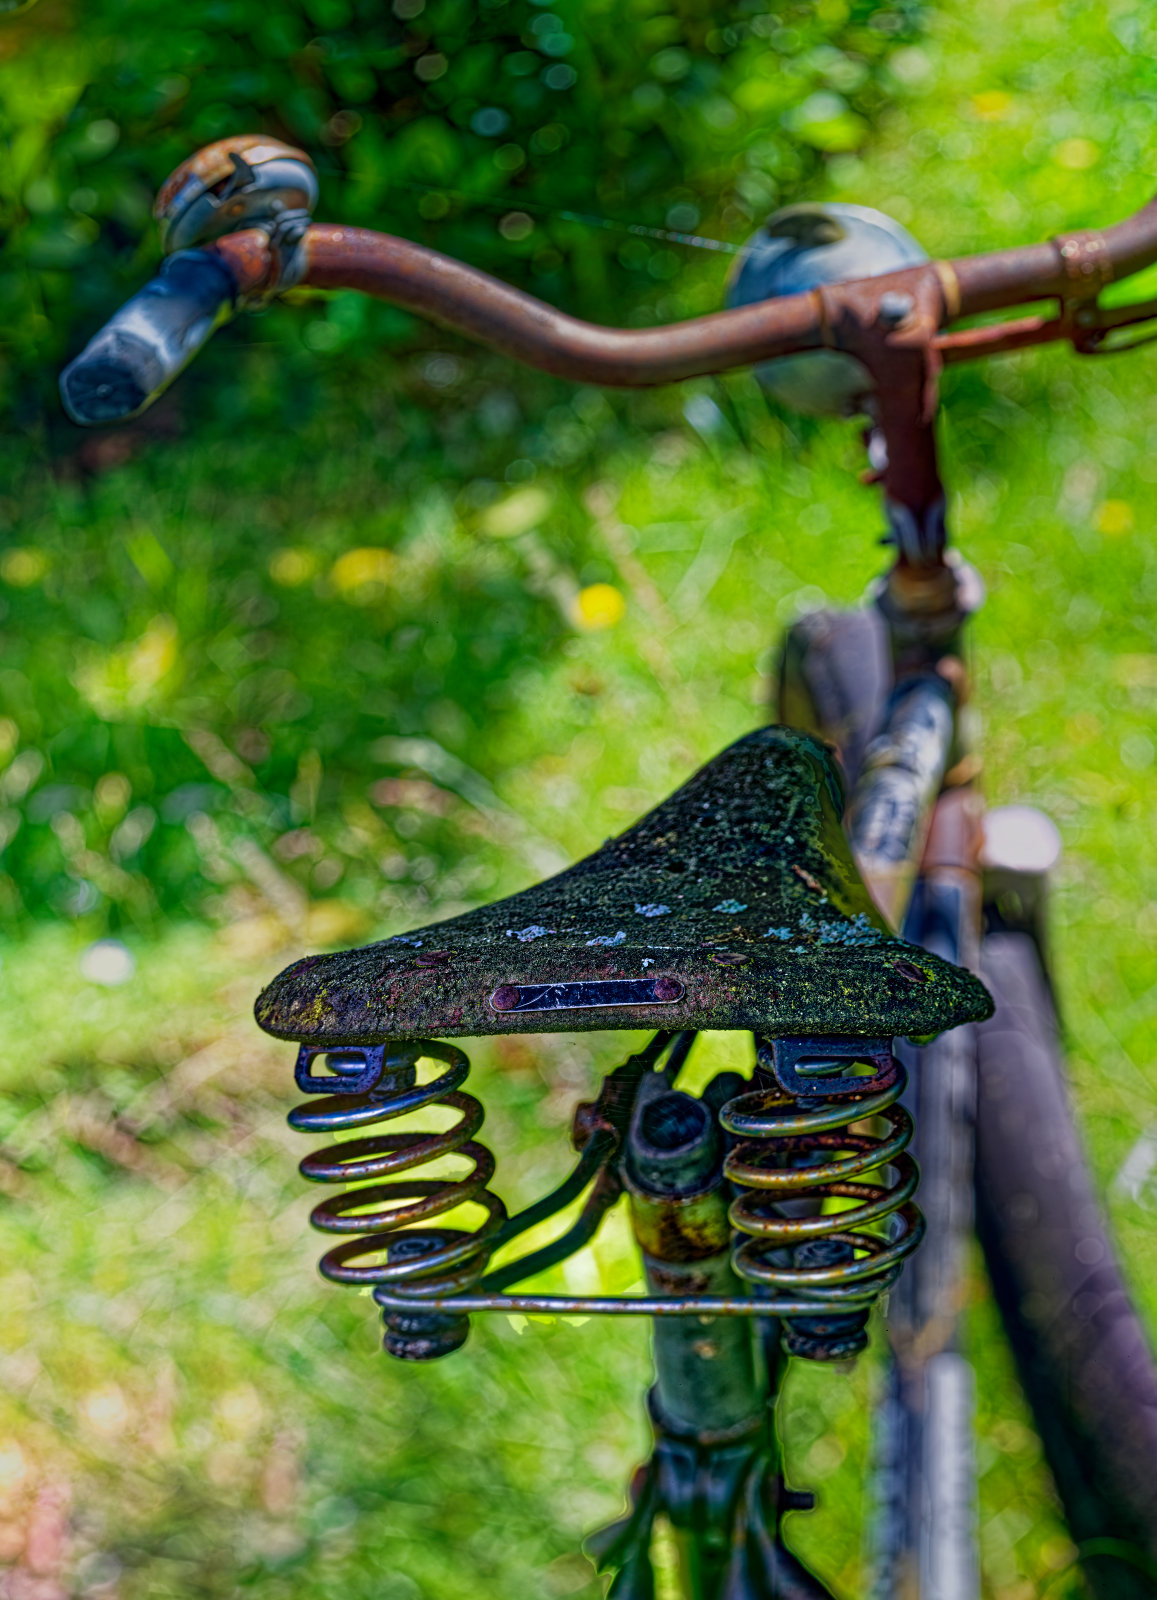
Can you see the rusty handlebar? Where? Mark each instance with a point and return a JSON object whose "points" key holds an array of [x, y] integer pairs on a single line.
{"points": [[1072, 268], [236, 219]]}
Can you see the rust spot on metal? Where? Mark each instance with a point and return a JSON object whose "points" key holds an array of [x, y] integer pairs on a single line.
{"points": [[1085, 261], [677, 1228], [680, 1283], [504, 998], [249, 258]]}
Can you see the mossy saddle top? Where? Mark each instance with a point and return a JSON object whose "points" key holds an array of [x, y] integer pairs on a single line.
{"points": [[733, 904]]}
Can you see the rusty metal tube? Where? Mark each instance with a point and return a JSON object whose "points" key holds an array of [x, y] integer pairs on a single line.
{"points": [[483, 308], [705, 1369], [1039, 271]]}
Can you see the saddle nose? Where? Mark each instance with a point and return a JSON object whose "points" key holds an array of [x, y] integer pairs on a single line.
{"points": [[734, 904]]}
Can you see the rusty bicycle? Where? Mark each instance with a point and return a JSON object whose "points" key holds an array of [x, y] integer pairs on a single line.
{"points": [[830, 885]]}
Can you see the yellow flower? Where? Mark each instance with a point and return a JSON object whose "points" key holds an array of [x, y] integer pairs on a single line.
{"points": [[360, 573], [599, 605], [1115, 518], [992, 105]]}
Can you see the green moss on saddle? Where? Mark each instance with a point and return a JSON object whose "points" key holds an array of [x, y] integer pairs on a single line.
{"points": [[740, 888]]}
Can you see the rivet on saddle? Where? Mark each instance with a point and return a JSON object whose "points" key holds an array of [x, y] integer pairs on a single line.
{"points": [[735, 904]]}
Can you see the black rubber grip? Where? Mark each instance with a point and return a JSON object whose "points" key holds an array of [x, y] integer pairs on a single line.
{"points": [[139, 351]]}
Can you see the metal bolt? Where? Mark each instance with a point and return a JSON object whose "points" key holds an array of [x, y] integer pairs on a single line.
{"points": [[894, 307], [667, 989], [505, 998]]}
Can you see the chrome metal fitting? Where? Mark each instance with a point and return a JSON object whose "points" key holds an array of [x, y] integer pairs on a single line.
{"points": [[1021, 849], [807, 247]]}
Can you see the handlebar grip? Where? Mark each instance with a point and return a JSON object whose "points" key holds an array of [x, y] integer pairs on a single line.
{"points": [[140, 350]]}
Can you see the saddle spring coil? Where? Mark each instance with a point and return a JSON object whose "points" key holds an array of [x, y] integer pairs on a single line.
{"points": [[391, 1216], [792, 1155]]}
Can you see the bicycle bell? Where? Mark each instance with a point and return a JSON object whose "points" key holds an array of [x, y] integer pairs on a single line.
{"points": [[804, 247], [249, 181]]}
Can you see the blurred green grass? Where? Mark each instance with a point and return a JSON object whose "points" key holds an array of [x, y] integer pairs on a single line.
{"points": [[252, 738]]}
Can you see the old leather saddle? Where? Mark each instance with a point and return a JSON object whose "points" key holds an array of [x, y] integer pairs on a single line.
{"points": [[735, 904]]}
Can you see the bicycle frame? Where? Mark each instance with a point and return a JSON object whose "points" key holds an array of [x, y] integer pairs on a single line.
{"points": [[239, 211]]}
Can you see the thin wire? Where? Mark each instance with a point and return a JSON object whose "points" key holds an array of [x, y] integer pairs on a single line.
{"points": [[696, 241]]}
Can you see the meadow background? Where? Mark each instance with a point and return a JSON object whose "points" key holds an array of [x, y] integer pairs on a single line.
{"points": [[362, 626]]}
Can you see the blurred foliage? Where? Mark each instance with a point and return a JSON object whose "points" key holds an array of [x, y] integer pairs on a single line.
{"points": [[467, 126], [182, 684], [332, 657]]}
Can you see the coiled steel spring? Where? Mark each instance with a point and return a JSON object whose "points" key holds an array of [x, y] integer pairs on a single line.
{"points": [[794, 1154], [391, 1218]]}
